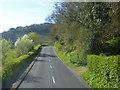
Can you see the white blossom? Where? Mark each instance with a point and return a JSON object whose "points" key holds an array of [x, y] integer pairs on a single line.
{"points": [[24, 44]]}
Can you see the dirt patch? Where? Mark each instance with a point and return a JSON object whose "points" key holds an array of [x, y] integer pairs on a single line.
{"points": [[79, 70]]}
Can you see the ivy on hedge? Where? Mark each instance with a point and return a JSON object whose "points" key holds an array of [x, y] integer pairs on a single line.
{"points": [[105, 68]]}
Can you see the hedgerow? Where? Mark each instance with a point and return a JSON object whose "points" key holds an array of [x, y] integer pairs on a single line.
{"points": [[9, 70], [103, 71]]}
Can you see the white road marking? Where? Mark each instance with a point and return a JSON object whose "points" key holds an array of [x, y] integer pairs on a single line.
{"points": [[53, 79], [50, 66]]}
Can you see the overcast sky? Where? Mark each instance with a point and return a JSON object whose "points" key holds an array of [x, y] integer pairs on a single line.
{"points": [[15, 13]]}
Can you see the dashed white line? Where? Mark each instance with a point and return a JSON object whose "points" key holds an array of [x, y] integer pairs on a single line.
{"points": [[50, 66], [53, 79]]}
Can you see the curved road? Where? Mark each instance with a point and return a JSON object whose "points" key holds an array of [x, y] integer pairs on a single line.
{"points": [[50, 72]]}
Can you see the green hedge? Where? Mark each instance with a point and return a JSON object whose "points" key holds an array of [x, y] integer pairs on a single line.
{"points": [[73, 56], [11, 69], [103, 71], [77, 57]]}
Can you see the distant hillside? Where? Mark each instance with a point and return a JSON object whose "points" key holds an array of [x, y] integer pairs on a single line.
{"points": [[14, 33]]}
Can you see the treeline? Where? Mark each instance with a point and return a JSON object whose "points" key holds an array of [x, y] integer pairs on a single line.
{"points": [[14, 33], [83, 29]]}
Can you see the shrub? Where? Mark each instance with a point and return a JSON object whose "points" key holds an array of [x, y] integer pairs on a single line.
{"points": [[114, 42], [77, 57], [10, 69], [73, 56], [37, 47], [24, 44], [113, 46], [103, 71], [30, 53]]}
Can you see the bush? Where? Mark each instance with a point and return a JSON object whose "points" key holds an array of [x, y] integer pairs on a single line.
{"points": [[73, 56], [10, 69], [62, 55], [24, 44], [114, 42], [78, 58], [113, 46], [30, 53], [103, 71], [37, 47]]}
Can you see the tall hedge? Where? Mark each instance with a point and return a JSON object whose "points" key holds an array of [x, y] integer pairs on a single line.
{"points": [[105, 68]]}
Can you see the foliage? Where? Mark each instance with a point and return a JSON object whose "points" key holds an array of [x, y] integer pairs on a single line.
{"points": [[72, 38], [112, 46], [100, 19], [80, 24], [24, 44], [14, 33], [103, 71], [114, 42], [44, 40], [86, 28], [6, 45], [33, 36], [63, 56], [30, 53], [70, 58], [13, 65]]}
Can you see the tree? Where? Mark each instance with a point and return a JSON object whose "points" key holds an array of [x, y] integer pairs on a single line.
{"points": [[24, 44], [103, 22], [6, 46], [67, 12], [85, 26], [33, 36]]}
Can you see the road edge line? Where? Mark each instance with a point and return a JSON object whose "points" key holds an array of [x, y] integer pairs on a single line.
{"points": [[24, 74], [77, 76]]}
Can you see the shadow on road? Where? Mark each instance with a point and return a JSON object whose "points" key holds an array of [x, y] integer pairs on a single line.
{"points": [[42, 60], [47, 55]]}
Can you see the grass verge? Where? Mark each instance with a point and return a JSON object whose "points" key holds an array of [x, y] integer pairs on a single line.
{"points": [[78, 69]]}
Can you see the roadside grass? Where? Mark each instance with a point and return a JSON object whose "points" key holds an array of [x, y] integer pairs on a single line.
{"points": [[77, 68]]}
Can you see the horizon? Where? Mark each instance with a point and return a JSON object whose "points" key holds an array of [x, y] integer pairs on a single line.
{"points": [[24, 13], [25, 26]]}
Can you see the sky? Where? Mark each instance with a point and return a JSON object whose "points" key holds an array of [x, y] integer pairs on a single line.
{"points": [[15, 13]]}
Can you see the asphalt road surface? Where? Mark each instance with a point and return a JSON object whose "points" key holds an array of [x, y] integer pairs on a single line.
{"points": [[50, 72]]}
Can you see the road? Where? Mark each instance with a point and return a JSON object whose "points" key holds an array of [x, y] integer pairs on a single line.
{"points": [[50, 72]]}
